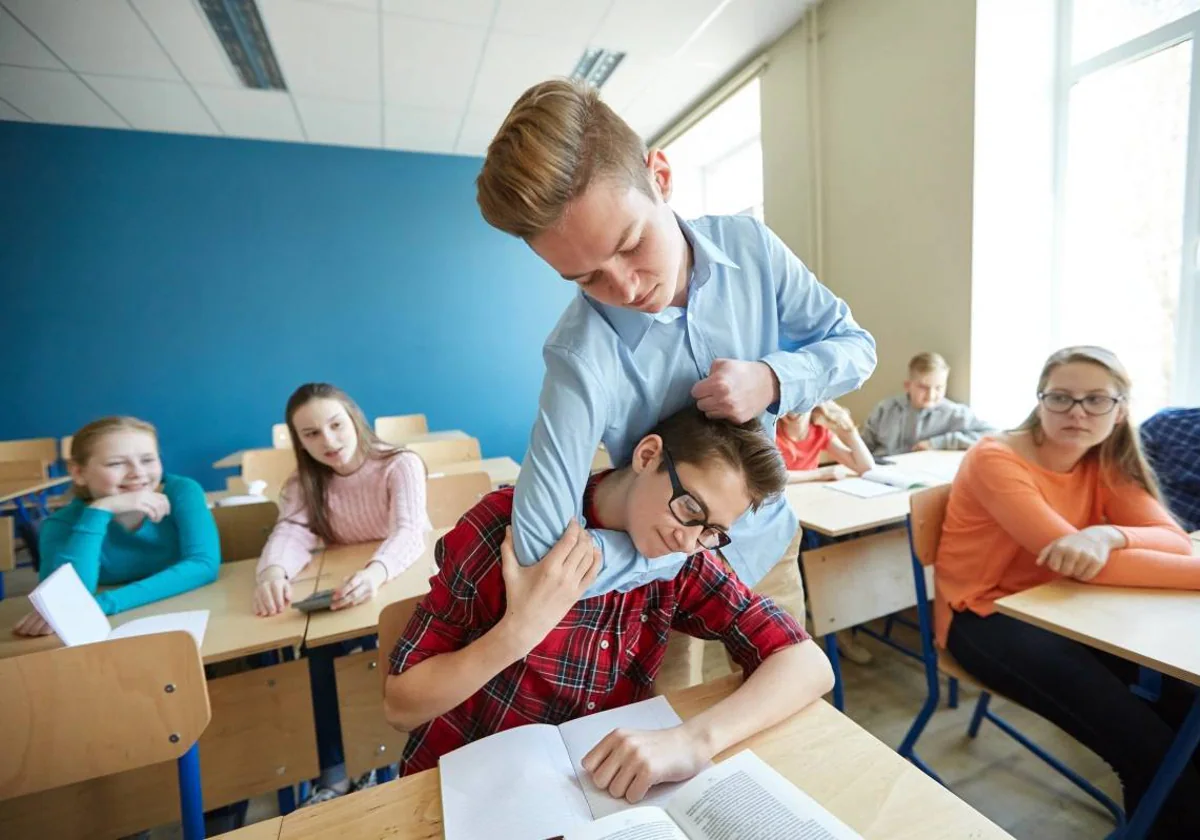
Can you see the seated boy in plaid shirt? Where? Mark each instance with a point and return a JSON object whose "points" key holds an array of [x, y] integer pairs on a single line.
{"points": [[495, 645]]}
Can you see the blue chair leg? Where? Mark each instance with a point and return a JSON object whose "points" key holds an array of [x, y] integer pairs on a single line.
{"points": [[305, 791], [887, 626], [839, 691], [1, 586], [385, 774], [287, 800], [981, 707], [191, 800], [1172, 765], [952, 693]]}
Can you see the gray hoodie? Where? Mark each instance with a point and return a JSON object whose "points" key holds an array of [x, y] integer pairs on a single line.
{"points": [[894, 427]]}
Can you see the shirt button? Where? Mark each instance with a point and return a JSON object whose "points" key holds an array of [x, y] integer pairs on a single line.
{"points": [[591, 706], [604, 644], [643, 618]]}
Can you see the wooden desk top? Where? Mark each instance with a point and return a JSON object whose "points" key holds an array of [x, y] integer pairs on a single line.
{"points": [[234, 459], [842, 766], [10, 490], [331, 626], [500, 470], [233, 628], [837, 514], [265, 830], [1152, 627]]}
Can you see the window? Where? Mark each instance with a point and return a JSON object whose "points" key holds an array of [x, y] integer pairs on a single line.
{"points": [[717, 163], [1125, 243]]}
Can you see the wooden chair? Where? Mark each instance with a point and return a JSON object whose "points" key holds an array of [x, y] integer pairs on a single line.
{"points": [[32, 449], [244, 529], [399, 428], [98, 710], [927, 515], [448, 497], [274, 466], [452, 451], [281, 438], [64, 447], [30, 470]]}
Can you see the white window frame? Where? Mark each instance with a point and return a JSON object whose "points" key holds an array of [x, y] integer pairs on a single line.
{"points": [[1185, 387]]}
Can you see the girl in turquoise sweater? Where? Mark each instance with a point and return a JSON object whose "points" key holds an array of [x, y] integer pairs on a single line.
{"points": [[144, 535]]}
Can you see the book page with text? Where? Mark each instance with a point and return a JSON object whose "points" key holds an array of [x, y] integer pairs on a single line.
{"points": [[517, 785], [744, 798], [634, 824], [581, 734]]}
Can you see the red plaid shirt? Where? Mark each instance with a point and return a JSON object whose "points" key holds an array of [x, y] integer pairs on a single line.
{"points": [[604, 653]]}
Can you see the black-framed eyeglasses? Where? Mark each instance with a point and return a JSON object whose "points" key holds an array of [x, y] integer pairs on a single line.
{"points": [[1096, 405], [689, 512]]}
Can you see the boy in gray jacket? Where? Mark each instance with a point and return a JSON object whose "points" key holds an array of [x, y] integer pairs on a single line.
{"points": [[922, 418]]}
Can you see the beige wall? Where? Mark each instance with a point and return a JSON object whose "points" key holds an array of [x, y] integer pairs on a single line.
{"points": [[894, 89]]}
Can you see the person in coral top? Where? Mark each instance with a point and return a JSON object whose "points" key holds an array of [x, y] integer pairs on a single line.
{"points": [[803, 436], [1068, 494]]}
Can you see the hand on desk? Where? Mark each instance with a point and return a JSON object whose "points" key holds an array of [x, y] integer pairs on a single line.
{"points": [[1083, 554], [627, 762], [360, 587], [274, 592], [922, 446], [32, 625]]}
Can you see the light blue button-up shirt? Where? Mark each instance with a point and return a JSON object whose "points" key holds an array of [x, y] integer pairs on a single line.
{"points": [[612, 374]]}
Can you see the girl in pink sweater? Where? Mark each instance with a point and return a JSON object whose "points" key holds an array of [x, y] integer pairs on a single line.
{"points": [[349, 487]]}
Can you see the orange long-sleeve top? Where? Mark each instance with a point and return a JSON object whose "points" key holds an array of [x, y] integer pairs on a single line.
{"points": [[1004, 510]]}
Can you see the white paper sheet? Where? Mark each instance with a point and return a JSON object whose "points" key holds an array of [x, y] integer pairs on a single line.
{"points": [[193, 621], [861, 488], [66, 605]]}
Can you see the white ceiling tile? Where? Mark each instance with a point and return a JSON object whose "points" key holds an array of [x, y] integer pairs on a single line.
{"points": [[477, 132], [323, 50], [18, 47], [469, 12], [186, 35], [363, 5], [741, 31], [421, 129], [652, 30], [632, 76], [56, 97], [428, 64], [340, 123], [513, 63], [95, 36], [154, 105], [8, 112], [243, 112], [573, 21]]}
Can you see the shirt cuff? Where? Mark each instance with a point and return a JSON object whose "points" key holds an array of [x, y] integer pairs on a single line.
{"points": [[794, 385]]}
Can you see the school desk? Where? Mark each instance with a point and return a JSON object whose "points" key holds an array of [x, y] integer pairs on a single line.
{"points": [[264, 830], [500, 470], [234, 459], [261, 738], [27, 493], [842, 766], [1155, 628]]}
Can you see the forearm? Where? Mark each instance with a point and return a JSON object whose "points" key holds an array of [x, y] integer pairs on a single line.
{"points": [[802, 476], [786, 682], [184, 576], [858, 456], [438, 684]]}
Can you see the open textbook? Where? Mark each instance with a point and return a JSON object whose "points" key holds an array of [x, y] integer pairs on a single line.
{"points": [[66, 605], [528, 783], [881, 481]]}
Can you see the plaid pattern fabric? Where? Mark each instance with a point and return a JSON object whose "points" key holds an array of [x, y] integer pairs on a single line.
{"points": [[1171, 439], [604, 653]]}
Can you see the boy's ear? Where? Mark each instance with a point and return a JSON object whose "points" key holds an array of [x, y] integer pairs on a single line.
{"points": [[647, 453], [659, 170]]}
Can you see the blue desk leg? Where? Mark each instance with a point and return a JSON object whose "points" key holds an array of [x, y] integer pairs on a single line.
{"points": [[190, 798], [1168, 773], [839, 691]]}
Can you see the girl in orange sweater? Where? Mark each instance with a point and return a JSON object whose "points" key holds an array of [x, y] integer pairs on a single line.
{"points": [[1068, 494]]}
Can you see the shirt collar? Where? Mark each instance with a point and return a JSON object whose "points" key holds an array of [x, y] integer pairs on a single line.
{"points": [[632, 325]]}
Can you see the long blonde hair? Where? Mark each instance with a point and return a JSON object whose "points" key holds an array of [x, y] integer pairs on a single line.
{"points": [[1120, 454], [312, 476], [83, 442]]}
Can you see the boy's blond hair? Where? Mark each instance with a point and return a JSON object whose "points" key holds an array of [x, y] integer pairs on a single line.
{"points": [[927, 362], [556, 140]]}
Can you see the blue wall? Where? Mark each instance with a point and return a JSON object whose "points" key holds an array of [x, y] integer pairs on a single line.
{"points": [[196, 281]]}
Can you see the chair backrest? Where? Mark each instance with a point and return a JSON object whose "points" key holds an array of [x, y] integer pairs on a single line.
{"points": [[146, 702], [281, 438], [8, 545], [32, 449], [392, 621], [450, 451], [64, 447], [274, 466], [448, 497], [243, 529], [32, 470], [401, 427], [928, 512]]}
